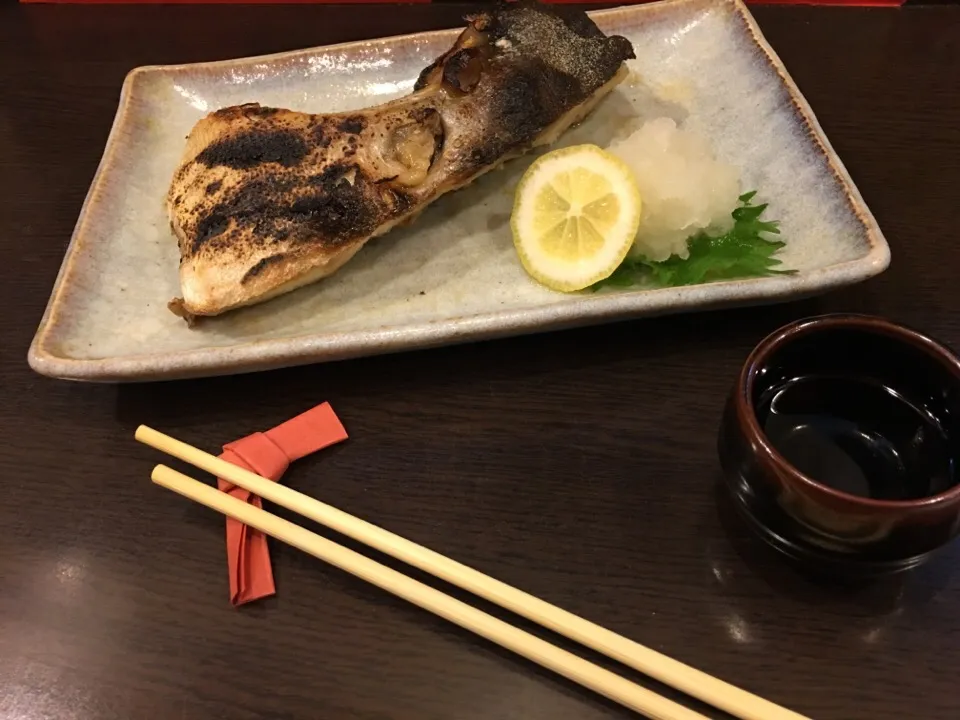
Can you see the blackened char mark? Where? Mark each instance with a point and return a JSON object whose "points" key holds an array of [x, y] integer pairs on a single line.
{"points": [[620, 49], [330, 176], [254, 206], [353, 124], [329, 209], [562, 38], [578, 21], [529, 96], [213, 187], [424, 78], [397, 200], [318, 133], [338, 208], [261, 266], [525, 11], [250, 148], [210, 226]]}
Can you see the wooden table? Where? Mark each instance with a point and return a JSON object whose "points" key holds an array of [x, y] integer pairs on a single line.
{"points": [[579, 466]]}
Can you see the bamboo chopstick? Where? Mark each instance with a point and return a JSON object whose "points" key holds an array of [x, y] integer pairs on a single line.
{"points": [[691, 681], [610, 685]]}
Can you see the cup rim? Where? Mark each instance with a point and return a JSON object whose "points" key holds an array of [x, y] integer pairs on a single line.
{"points": [[809, 325]]}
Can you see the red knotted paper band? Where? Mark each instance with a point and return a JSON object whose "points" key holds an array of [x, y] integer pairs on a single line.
{"points": [[269, 454]]}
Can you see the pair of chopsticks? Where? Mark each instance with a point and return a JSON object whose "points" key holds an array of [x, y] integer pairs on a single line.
{"points": [[711, 690]]}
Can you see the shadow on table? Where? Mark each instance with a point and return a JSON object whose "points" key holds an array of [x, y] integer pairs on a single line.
{"points": [[867, 599]]}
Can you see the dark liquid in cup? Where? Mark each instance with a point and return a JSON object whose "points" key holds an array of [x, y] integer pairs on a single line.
{"points": [[857, 436]]}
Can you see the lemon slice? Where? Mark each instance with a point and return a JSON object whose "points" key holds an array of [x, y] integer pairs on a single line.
{"points": [[575, 215]]}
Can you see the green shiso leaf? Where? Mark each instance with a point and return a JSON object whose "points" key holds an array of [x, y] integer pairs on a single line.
{"points": [[742, 252]]}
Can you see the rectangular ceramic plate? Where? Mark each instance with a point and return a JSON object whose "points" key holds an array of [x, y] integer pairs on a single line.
{"points": [[452, 276]]}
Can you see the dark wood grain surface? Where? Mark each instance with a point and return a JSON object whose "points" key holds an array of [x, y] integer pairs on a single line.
{"points": [[580, 466]]}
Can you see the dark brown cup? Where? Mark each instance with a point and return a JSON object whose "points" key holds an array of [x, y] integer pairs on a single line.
{"points": [[813, 522]]}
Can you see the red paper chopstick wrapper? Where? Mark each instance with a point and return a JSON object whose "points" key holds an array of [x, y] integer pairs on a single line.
{"points": [[269, 454]]}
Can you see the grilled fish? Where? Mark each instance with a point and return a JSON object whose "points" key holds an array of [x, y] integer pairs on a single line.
{"points": [[267, 200]]}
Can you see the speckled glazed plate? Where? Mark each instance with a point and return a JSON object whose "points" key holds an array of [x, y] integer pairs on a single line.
{"points": [[452, 276]]}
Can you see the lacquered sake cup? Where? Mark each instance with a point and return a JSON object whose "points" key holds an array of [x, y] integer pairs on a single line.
{"points": [[811, 521]]}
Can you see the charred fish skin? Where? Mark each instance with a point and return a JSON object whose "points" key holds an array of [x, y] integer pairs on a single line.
{"points": [[266, 200], [521, 68]]}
